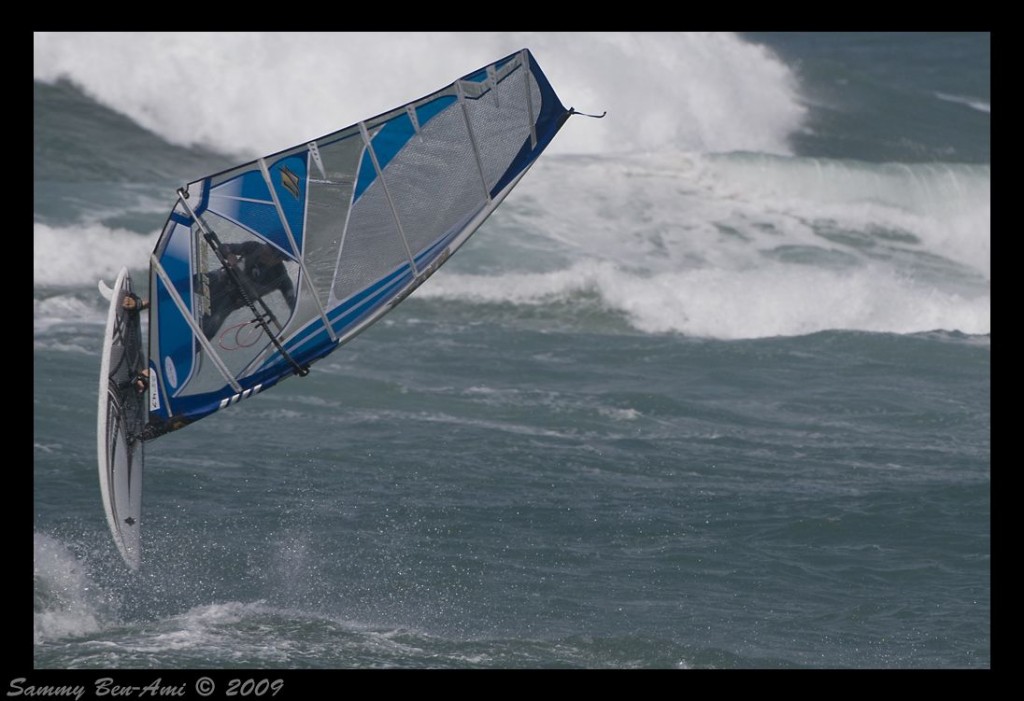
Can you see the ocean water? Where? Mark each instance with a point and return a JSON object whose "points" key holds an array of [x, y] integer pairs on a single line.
{"points": [[711, 389]]}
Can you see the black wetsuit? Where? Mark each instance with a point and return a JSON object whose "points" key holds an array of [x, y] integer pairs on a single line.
{"points": [[260, 275]]}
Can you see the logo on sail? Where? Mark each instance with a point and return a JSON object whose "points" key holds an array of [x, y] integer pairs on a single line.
{"points": [[290, 181]]}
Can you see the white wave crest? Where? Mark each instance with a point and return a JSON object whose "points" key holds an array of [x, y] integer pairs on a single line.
{"points": [[81, 255], [732, 304], [695, 91], [739, 246]]}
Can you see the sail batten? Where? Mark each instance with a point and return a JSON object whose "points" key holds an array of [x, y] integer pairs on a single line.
{"points": [[384, 185], [321, 240], [472, 140]]}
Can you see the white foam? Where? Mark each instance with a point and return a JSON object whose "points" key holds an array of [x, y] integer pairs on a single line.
{"points": [[947, 207], [771, 301], [199, 627], [699, 91], [972, 102], [619, 414]]}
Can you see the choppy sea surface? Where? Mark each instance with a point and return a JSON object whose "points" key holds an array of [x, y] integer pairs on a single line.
{"points": [[711, 389]]}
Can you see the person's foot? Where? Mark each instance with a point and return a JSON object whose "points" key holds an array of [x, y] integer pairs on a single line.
{"points": [[141, 381]]}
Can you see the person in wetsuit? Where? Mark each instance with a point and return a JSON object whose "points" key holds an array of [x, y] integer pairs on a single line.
{"points": [[261, 269]]}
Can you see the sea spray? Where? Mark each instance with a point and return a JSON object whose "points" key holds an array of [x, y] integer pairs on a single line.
{"points": [[67, 601]]}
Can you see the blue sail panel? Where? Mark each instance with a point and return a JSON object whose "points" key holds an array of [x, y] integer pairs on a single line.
{"points": [[429, 110], [387, 142], [172, 332], [246, 201]]}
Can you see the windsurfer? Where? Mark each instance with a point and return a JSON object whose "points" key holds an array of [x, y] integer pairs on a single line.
{"points": [[260, 269]]}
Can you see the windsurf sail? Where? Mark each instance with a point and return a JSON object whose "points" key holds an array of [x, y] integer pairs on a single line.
{"points": [[262, 269]]}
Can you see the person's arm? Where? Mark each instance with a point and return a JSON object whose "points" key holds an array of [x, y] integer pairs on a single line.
{"points": [[233, 251], [287, 288]]}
